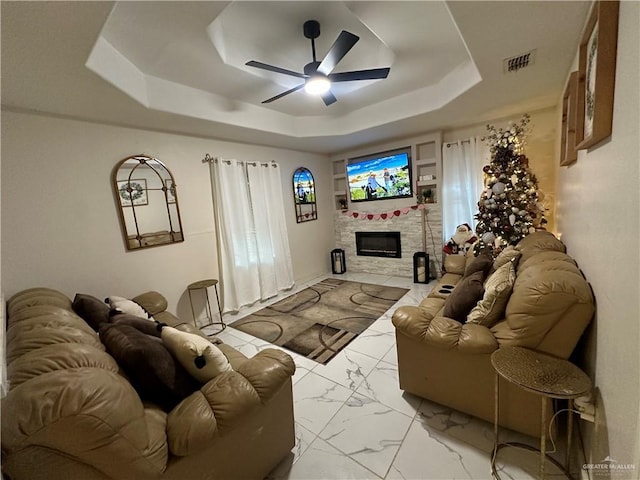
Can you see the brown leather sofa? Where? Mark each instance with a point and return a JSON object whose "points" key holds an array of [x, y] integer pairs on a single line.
{"points": [[71, 414], [449, 363]]}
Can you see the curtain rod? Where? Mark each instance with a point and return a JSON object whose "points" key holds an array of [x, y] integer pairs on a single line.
{"points": [[482, 139], [208, 159]]}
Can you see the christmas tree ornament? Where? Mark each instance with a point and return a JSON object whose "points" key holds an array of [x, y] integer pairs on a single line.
{"points": [[498, 187], [488, 237]]}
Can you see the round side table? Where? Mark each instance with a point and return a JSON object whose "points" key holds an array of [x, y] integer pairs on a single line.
{"points": [[203, 286], [544, 375]]}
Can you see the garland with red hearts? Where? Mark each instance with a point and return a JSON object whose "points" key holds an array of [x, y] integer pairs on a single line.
{"points": [[385, 215]]}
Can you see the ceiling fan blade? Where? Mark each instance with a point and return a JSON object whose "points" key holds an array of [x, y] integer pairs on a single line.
{"points": [[338, 50], [329, 98], [373, 74], [291, 90], [271, 68]]}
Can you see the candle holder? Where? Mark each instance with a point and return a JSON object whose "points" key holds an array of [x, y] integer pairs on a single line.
{"points": [[338, 262], [420, 267]]}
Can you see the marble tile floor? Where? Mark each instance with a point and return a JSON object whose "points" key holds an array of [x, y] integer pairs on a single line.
{"points": [[354, 422]]}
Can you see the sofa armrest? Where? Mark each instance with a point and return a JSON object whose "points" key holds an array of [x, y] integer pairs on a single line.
{"points": [[443, 332], [226, 401], [152, 302]]}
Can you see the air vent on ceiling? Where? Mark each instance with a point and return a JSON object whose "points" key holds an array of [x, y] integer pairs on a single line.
{"points": [[513, 64]]}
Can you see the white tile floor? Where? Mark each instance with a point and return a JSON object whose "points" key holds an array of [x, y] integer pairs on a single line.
{"points": [[354, 422]]}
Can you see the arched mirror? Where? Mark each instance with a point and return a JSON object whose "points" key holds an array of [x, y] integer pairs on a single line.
{"points": [[147, 200], [304, 194]]}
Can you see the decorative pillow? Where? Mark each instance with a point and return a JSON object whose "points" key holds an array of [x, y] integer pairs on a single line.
{"points": [[497, 291], [481, 263], [151, 369], [91, 310], [124, 305], [145, 326], [466, 294], [202, 359], [509, 254]]}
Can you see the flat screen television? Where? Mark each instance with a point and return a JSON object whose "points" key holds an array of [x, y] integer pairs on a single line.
{"points": [[380, 176]]}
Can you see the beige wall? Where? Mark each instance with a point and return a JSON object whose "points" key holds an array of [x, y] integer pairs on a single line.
{"points": [[598, 217], [539, 149], [60, 227]]}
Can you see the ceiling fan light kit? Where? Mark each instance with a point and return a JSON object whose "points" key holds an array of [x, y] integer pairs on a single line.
{"points": [[318, 76], [317, 84]]}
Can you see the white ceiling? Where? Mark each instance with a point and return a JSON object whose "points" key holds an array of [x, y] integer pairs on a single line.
{"points": [[179, 66]]}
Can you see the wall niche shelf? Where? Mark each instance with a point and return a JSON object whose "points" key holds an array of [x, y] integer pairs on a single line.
{"points": [[339, 168], [428, 168]]}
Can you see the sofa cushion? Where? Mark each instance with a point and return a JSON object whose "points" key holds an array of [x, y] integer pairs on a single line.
{"points": [[497, 290], [145, 326], [202, 359], [455, 264], [124, 305], [509, 254], [466, 294], [481, 263], [90, 309], [151, 368]]}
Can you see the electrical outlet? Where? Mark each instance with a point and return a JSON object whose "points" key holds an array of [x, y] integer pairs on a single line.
{"points": [[587, 408]]}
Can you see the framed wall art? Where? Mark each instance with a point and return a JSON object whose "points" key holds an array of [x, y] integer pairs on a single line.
{"points": [[568, 152], [133, 192], [596, 75]]}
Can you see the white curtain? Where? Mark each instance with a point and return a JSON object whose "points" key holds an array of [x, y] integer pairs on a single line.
{"points": [[462, 163], [253, 245]]}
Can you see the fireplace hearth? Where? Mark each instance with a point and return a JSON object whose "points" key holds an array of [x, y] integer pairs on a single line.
{"points": [[378, 244]]}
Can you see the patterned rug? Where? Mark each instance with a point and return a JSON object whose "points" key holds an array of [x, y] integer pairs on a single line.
{"points": [[321, 320]]}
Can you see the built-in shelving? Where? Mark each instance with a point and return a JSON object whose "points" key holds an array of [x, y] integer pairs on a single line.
{"points": [[340, 184], [428, 168], [426, 153]]}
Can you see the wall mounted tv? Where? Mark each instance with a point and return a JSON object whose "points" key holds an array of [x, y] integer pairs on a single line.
{"points": [[380, 176]]}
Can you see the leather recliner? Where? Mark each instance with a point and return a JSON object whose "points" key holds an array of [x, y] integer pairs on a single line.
{"points": [[71, 414], [449, 363]]}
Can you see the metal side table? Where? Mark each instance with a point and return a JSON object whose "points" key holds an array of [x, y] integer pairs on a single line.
{"points": [[203, 285], [544, 375]]}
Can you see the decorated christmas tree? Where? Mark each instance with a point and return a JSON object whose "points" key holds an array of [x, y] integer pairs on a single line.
{"points": [[510, 205]]}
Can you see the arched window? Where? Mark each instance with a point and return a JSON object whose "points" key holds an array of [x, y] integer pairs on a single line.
{"points": [[304, 195]]}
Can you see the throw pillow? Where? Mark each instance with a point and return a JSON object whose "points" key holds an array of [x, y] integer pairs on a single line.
{"points": [[497, 291], [481, 263], [202, 359], [151, 369], [466, 294], [90, 309], [145, 326], [509, 254], [124, 305]]}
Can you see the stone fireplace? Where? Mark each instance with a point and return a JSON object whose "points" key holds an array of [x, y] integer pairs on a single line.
{"points": [[414, 236]]}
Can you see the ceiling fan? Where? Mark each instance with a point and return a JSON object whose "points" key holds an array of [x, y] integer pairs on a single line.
{"points": [[317, 74]]}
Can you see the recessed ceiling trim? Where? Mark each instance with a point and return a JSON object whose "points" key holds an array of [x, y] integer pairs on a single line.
{"points": [[116, 69], [164, 95]]}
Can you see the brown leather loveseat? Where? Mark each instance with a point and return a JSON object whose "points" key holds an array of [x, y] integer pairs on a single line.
{"points": [[70, 413], [548, 308]]}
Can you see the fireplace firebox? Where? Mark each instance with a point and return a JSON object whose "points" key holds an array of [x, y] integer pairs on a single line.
{"points": [[378, 244]]}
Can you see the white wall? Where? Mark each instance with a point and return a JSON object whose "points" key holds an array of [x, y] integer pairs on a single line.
{"points": [[60, 226], [598, 217]]}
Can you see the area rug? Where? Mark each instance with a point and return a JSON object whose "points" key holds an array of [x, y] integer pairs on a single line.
{"points": [[321, 320]]}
